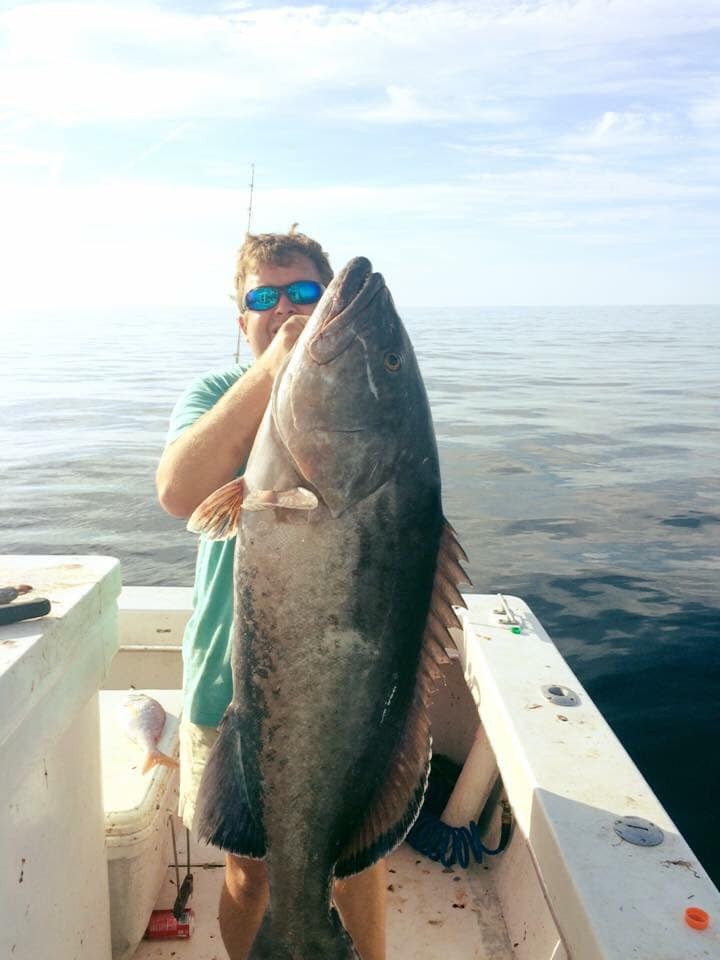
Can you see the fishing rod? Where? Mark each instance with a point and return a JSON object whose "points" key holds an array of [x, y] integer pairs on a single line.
{"points": [[252, 187], [249, 212]]}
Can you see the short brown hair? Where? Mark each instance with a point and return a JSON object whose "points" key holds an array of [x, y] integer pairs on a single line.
{"points": [[281, 249]]}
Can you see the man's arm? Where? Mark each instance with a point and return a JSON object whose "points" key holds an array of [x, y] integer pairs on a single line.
{"points": [[212, 450]]}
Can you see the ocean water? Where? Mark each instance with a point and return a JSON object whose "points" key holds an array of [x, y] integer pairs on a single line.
{"points": [[581, 468]]}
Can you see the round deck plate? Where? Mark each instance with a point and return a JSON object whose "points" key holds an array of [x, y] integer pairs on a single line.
{"points": [[560, 696], [641, 832]]}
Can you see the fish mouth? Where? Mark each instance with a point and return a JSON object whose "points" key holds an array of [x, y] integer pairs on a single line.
{"points": [[335, 322]]}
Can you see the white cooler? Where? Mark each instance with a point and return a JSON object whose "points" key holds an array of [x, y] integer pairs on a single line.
{"points": [[137, 812]]}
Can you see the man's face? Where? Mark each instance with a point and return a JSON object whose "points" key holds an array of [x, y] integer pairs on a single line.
{"points": [[260, 327]]}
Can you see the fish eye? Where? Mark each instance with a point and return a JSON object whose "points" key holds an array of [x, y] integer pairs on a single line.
{"points": [[393, 362]]}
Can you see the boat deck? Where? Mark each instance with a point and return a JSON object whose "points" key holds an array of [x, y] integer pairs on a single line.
{"points": [[432, 911]]}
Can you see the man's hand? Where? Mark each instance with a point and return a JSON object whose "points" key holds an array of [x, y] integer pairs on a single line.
{"points": [[281, 344], [213, 449]]}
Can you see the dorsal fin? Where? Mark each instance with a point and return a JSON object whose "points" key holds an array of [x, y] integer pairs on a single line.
{"points": [[397, 802]]}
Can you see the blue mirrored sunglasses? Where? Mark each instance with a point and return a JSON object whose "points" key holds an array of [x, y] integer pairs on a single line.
{"points": [[301, 293]]}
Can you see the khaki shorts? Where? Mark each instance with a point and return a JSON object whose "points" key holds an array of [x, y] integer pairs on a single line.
{"points": [[195, 745]]}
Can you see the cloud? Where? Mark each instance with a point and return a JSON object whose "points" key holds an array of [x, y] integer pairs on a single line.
{"points": [[406, 105], [706, 112], [401, 105], [143, 242], [14, 155], [404, 128], [175, 134], [626, 130], [81, 63], [562, 198]]}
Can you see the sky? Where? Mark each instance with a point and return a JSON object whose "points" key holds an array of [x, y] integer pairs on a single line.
{"points": [[480, 153]]}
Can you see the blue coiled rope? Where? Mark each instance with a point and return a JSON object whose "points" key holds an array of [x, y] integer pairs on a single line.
{"points": [[436, 839], [450, 845]]}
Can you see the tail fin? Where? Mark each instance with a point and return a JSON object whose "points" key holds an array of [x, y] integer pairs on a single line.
{"points": [[225, 816], [155, 757]]}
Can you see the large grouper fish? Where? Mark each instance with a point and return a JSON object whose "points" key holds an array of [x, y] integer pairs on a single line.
{"points": [[345, 581]]}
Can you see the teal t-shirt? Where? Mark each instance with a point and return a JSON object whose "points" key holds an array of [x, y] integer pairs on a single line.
{"points": [[207, 677]]}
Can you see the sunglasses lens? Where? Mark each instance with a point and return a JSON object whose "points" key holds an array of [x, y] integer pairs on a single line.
{"points": [[303, 292], [262, 298]]}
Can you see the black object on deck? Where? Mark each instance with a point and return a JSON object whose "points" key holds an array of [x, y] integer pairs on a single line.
{"points": [[25, 610]]}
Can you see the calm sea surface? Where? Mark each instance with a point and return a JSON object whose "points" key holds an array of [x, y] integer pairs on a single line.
{"points": [[581, 466]]}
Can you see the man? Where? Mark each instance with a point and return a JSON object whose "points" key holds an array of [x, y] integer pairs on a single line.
{"points": [[278, 281]]}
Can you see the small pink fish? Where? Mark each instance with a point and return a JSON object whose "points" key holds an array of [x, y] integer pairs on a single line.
{"points": [[143, 720]]}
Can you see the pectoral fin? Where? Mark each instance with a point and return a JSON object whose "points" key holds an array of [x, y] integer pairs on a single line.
{"points": [[218, 516]]}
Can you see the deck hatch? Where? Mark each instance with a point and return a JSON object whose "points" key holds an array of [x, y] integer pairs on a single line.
{"points": [[639, 831]]}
